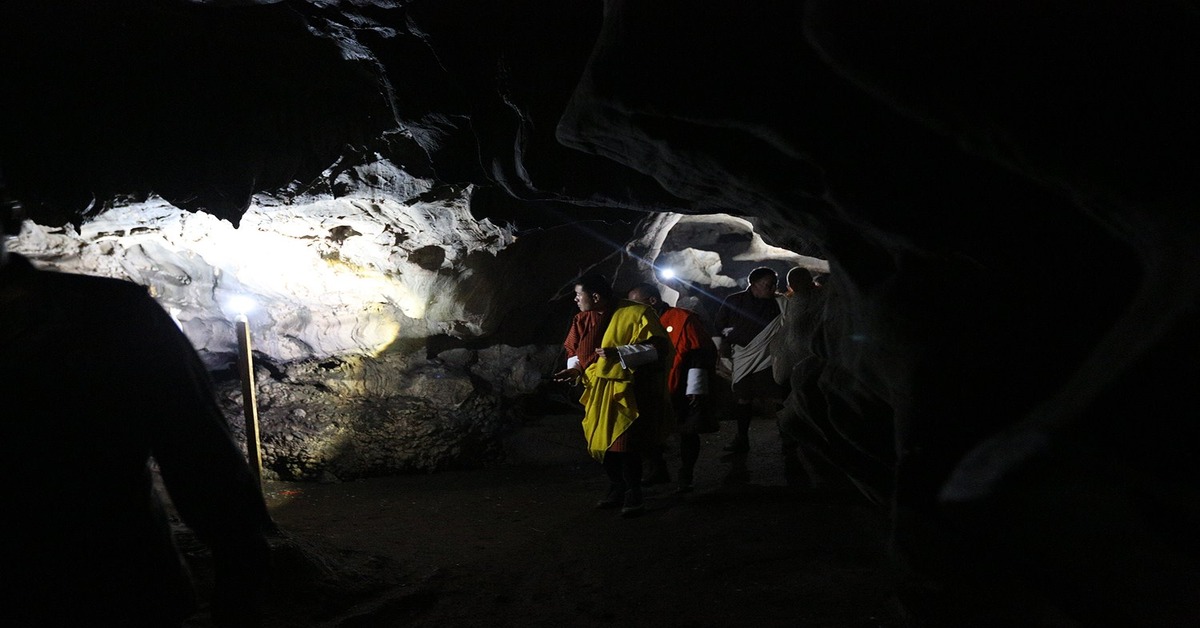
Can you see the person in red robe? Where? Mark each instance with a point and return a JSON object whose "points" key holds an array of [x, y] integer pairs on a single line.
{"points": [[619, 352], [687, 381]]}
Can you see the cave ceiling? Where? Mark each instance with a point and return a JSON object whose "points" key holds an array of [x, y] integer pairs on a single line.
{"points": [[797, 113], [819, 115]]}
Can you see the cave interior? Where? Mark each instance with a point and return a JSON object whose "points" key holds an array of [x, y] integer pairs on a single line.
{"points": [[1006, 357]]}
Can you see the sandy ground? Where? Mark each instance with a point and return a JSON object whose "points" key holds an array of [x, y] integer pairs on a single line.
{"points": [[523, 545]]}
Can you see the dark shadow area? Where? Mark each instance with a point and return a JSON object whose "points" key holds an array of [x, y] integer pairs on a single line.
{"points": [[523, 545]]}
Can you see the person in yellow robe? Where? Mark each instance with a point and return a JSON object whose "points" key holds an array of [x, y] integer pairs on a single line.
{"points": [[695, 359], [621, 355]]}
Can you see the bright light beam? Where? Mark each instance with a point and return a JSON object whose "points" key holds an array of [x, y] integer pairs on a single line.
{"points": [[241, 304]]}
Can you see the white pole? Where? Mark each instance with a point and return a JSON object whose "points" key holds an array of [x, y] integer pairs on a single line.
{"points": [[249, 398]]}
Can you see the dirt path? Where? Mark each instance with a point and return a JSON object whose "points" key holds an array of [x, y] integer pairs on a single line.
{"points": [[523, 545]]}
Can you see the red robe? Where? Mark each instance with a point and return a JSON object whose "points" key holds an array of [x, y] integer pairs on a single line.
{"points": [[694, 347]]}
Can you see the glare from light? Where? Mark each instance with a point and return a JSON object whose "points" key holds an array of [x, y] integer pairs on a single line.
{"points": [[241, 304], [667, 273]]}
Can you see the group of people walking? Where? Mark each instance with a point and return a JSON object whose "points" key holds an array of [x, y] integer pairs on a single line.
{"points": [[647, 371]]}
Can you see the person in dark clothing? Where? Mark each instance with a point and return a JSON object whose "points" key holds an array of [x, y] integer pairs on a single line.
{"points": [[98, 385], [746, 323]]}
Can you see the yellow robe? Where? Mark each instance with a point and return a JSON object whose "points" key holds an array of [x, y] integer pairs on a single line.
{"points": [[610, 407]]}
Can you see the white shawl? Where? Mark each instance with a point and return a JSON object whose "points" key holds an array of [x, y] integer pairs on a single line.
{"points": [[756, 355]]}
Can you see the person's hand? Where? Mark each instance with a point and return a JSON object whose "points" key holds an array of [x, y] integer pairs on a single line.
{"points": [[607, 352], [694, 401], [567, 375]]}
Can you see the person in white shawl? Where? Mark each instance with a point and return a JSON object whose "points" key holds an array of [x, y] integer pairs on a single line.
{"points": [[747, 322]]}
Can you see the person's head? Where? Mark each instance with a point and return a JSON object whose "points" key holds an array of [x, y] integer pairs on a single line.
{"points": [[592, 292], [763, 282], [800, 281], [12, 214], [647, 294]]}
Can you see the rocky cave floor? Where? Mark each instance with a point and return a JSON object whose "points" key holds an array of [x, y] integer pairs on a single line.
{"points": [[523, 545]]}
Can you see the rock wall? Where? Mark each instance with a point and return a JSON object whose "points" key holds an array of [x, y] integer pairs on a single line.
{"points": [[382, 318], [359, 416]]}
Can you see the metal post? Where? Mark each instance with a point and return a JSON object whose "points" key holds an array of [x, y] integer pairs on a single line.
{"points": [[249, 398]]}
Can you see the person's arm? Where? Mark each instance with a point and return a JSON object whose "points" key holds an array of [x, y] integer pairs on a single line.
{"points": [[574, 334], [652, 350], [724, 349], [723, 322], [574, 368], [697, 382], [630, 356], [700, 358], [633, 356], [722, 319]]}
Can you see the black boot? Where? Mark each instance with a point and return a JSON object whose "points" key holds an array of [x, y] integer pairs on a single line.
{"points": [[613, 467], [658, 472], [632, 505], [631, 472], [613, 498], [685, 481], [742, 413], [689, 454]]}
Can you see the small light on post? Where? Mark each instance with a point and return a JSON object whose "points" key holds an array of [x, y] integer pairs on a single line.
{"points": [[243, 305]]}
